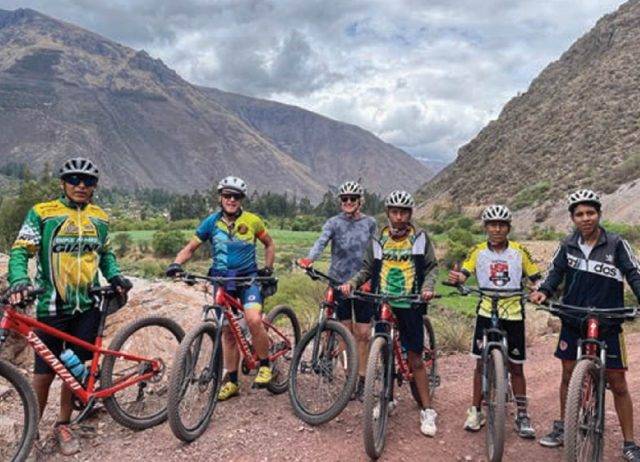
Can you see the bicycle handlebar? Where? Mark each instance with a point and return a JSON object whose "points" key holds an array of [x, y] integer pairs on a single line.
{"points": [[191, 279], [486, 293], [315, 275], [27, 300], [562, 309], [368, 296]]}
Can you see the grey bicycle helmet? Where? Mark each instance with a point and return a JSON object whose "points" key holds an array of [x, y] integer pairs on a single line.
{"points": [[583, 196], [496, 213], [400, 199], [233, 183], [350, 188], [79, 166]]}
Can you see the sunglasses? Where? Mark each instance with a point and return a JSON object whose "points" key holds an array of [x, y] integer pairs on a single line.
{"points": [[75, 180], [231, 196], [346, 199]]}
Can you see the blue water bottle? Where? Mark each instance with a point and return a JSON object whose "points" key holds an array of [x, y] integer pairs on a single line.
{"points": [[73, 363]]}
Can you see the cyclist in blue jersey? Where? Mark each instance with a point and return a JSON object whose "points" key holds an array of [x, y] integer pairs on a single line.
{"points": [[232, 233]]}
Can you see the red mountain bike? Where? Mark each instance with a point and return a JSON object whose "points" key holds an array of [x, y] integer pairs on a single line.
{"points": [[584, 409], [387, 363], [132, 378], [197, 366], [324, 367]]}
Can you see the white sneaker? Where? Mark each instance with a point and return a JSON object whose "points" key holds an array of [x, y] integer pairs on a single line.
{"points": [[428, 422], [390, 407], [475, 420]]}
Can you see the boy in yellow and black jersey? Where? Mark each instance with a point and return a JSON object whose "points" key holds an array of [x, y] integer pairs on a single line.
{"points": [[500, 264]]}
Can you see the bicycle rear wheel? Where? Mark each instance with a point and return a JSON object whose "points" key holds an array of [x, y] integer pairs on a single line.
{"points": [[196, 375], [320, 386], [582, 438], [18, 414], [144, 404], [496, 399], [377, 384], [430, 358], [285, 325]]}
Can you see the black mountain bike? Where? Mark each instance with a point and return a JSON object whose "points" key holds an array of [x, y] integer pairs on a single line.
{"points": [[496, 390], [584, 409], [324, 366]]}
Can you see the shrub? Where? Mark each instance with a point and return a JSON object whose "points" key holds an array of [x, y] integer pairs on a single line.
{"points": [[548, 233], [530, 195], [122, 244], [629, 232], [167, 243]]}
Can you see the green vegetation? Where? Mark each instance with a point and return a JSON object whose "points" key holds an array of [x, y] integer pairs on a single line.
{"points": [[547, 233], [530, 195], [630, 232]]}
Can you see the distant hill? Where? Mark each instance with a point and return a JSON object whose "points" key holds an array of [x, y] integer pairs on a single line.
{"points": [[576, 126], [67, 91]]}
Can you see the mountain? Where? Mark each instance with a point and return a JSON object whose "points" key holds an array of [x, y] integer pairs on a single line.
{"points": [[65, 91], [576, 126]]}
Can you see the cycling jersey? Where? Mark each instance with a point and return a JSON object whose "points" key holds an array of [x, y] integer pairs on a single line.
{"points": [[404, 266], [349, 239], [597, 279], [71, 242], [233, 248], [503, 270]]}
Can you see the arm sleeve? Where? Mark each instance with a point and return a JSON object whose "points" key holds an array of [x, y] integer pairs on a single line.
{"points": [[108, 263], [25, 246], [323, 240], [430, 266], [556, 272], [628, 264], [469, 264], [203, 231], [365, 272], [529, 268]]}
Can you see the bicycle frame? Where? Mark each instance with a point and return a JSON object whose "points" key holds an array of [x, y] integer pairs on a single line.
{"points": [[230, 305], [13, 321], [389, 331], [487, 345]]}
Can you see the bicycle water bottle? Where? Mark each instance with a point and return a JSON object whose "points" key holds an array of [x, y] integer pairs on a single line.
{"points": [[73, 363]]}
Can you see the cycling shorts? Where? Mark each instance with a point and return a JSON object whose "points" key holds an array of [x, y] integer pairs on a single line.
{"points": [[411, 328], [83, 325], [616, 346], [516, 345], [347, 309]]}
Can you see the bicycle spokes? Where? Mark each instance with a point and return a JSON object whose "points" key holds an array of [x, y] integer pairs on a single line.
{"points": [[587, 419]]}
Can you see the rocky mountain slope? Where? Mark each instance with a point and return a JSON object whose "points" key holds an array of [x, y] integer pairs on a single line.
{"points": [[576, 126], [66, 91]]}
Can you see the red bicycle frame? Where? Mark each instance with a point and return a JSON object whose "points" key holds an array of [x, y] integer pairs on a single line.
{"points": [[24, 325], [232, 304], [403, 367]]}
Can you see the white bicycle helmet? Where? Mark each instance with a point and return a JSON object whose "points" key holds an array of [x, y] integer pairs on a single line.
{"points": [[350, 188], [79, 166], [234, 183], [400, 199], [496, 213], [583, 196]]}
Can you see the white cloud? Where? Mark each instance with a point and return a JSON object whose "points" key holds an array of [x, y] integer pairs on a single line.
{"points": [[423, 75]]}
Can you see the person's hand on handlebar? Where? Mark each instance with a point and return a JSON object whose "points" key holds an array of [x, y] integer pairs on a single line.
{"points": [[305, 263], [537, 297], [456, 277], [346, 289], [427, 295], [19, 292]]}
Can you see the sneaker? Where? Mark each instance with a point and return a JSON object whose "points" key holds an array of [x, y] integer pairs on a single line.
{"points": [[390, 408], [631, 452], [475, 420], [67, 441], [228, 390], [428, 422], [524, 428], [556, 437], [264, 377]]}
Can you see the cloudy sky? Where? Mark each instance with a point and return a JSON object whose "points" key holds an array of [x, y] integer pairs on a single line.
{"points": [[425, 75]]}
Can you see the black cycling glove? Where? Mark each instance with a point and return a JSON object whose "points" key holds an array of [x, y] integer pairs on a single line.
{"points": [[265, 272], [174, 269]]}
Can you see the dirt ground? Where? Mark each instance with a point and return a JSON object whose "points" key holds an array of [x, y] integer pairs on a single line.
{"points": [[258, 426]]}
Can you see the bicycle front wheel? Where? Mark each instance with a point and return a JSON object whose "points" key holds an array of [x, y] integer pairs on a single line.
{"points": [[284, 334], [583, 438], [323, 373], [196, 375], [377, 390], [144, 404], [430, 358], [496, 398], [18, 414]]}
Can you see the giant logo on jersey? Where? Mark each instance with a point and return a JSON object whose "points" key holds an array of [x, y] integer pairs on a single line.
{"points": [[499, 273]]}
